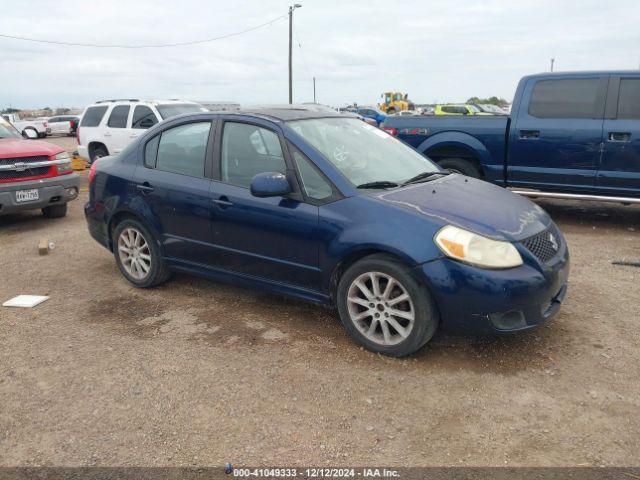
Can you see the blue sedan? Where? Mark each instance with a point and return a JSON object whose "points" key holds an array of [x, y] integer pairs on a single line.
{"points": [[372, 113], [327, 208]]}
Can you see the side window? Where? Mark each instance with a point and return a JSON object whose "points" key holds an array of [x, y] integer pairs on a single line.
{"points": [[315, 186], [143, 117], [248, 150], [150, 152], [93, 116], [118, 117], [629, 98], [182, 149], [566, 98]]}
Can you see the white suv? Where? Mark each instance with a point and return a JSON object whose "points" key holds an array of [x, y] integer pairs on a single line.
{"points": [[108, 126]]}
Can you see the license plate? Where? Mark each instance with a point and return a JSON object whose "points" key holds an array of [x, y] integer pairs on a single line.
{"points": [[27, 195]]}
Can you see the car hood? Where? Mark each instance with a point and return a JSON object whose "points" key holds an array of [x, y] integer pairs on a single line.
{"points": [[17, 147], [471, 204]]}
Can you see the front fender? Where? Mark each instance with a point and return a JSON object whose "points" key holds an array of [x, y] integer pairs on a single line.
{"points": [[459, 140]]}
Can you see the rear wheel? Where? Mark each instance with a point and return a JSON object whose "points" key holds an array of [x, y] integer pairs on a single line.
{"points": [[138, 254], [460, 165], [99, 152], [384, 308], [55, 211]]}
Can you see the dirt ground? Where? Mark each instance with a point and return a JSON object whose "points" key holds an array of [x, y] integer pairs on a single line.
{"points": [[200, 373]]}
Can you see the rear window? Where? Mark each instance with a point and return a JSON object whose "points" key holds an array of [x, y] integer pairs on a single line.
{"points": [[93, 116], [173, 109], [629, 99], [566, 98]]}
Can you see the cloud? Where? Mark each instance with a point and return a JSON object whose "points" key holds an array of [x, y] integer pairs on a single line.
{"points": [[446, 50]]}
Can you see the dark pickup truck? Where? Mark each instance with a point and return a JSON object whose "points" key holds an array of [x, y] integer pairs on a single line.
{"points": [[570, 135]]}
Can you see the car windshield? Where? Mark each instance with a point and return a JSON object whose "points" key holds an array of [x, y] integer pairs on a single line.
{"points": [[7, 130], [363, 153], [173, 109]]}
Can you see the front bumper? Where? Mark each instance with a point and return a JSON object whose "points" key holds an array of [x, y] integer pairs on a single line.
{"points": [[51, 191], [474, 300]]}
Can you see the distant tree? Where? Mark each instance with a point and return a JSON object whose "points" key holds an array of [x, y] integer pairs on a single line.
{"points": [[499, 101], [62, 111], [10, 110]]}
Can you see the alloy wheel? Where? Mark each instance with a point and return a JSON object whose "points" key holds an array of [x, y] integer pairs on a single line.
{"points": [[381, 308], [134, 253]]}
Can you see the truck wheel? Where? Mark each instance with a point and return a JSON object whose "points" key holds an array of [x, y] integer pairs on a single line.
{"points": [[138, 254], [460, 165], [384, 308], [55, 211], [99, 153]]}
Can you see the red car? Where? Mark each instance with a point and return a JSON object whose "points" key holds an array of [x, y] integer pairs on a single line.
{"points": [[34, 174]]}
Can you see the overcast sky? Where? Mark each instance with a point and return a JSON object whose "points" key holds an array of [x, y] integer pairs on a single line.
{"points": [[435, 50]]}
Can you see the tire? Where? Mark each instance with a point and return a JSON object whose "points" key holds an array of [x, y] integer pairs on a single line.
{"points": [[148, 254], [391, 111], [99, 153], [358, 316], [460, 165], [55, 211]]}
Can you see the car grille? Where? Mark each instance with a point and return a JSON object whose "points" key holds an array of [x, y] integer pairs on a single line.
{"points": [[545, 245], [26, 173], [29, 172], [11, 161]]}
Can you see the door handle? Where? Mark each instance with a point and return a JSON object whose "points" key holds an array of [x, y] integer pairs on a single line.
{"points": [[107, 134], [525, 134], [222, 202], [146, 188], [619, 136]]}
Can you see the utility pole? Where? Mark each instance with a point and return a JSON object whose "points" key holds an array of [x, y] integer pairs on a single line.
{"points": [[552, 60], [314, 90], [291, 9]]}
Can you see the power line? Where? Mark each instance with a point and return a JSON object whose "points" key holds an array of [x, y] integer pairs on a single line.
{"points": [[162, 45]]}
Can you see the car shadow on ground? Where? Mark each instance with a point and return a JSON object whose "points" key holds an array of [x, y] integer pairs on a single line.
{"points": [[568, 214]]}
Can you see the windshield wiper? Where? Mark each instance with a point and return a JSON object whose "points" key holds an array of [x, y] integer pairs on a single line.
{"points": [[379, 184], [421, 177]]}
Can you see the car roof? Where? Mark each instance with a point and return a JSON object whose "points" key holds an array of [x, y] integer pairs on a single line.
{"points": [[288, 113]]}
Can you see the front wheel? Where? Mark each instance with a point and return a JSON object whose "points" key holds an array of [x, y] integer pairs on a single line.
{"points": [[460, 165], [138, 254], [384, 308]]}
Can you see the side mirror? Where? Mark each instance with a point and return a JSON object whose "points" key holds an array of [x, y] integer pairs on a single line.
{"points": [[30, 134], [270, 184]]}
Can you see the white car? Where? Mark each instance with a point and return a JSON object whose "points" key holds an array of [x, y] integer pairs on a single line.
{"points": [[61, 124], [108, 126], [39, 127]]}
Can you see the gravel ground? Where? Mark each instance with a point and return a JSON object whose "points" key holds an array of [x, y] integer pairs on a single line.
{"points": [[200, 373]]}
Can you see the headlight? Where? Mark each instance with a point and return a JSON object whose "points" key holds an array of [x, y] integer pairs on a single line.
{"points": [[63, 156], [477, 250]]}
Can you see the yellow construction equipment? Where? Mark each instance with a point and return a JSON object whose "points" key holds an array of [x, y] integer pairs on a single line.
{"points": [[395, 102]]}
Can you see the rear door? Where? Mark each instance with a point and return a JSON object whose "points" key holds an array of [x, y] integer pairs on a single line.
{"points": [[555, 140], [173, 183], [116, 132], [619, 171]]}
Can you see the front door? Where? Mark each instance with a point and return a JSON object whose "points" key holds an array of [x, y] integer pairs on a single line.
{"points": [[269, 238], [555, 140], [619, 172], [174, 187]]}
